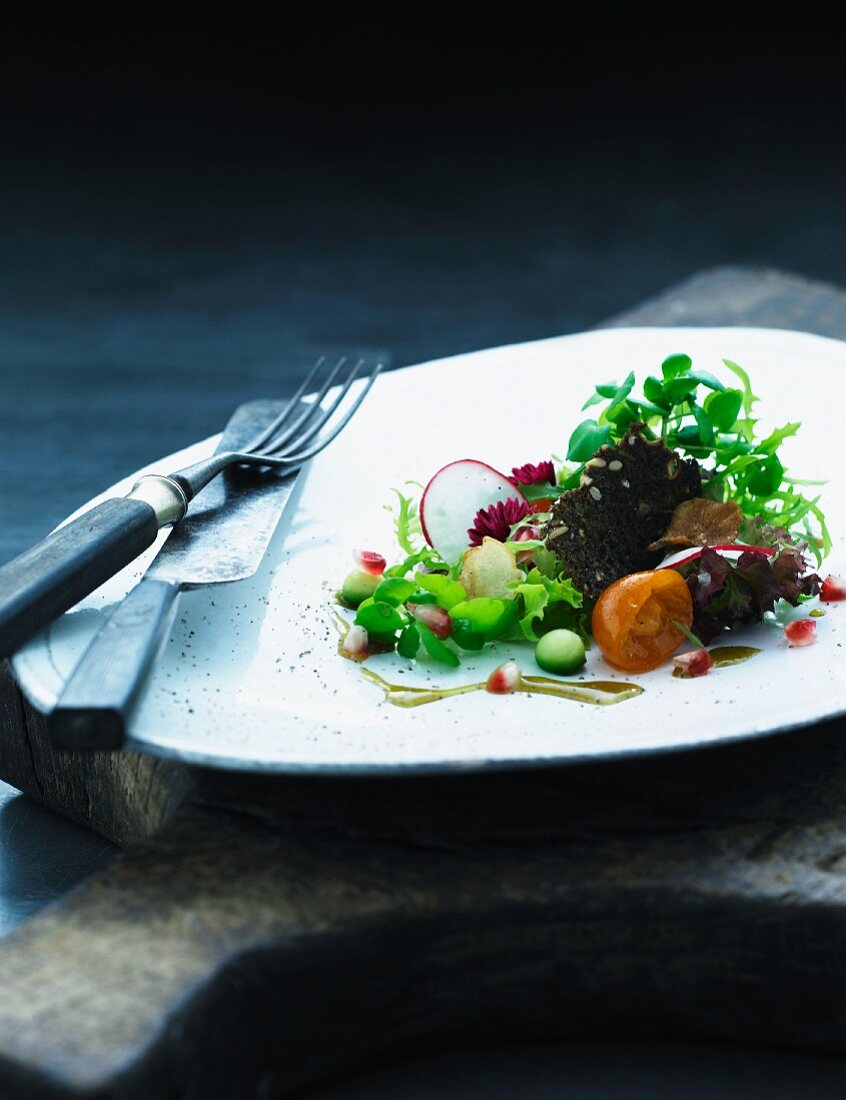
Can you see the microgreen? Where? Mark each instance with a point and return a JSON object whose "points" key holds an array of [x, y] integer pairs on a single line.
{"points": [[382, 620], [447, 592], [439, 651], [541, 491], [395, 590], [688, 634], [409, 641], [486, 615], [409, 534], [698, 415]]}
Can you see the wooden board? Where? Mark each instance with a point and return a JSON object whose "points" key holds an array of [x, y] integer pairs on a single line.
{"points": [[261, 935]]}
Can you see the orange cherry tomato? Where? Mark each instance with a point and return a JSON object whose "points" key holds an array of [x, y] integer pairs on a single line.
{"points": [[633, 619]]}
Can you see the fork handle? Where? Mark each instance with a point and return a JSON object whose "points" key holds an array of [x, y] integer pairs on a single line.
{"points": [[53, 575], [92, 710]]}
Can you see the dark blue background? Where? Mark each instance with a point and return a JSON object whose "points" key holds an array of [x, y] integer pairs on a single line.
{"points": [[193, 201]]}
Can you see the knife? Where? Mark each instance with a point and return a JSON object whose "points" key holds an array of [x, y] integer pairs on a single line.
{"points": [[222, 540]]}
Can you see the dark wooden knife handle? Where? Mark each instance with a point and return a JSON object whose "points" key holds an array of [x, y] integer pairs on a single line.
{"points": [[92, 710], [52, 576]]}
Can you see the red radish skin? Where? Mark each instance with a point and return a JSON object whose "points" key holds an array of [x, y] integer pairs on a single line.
{"points": [[453, 497], [833, 590], [356, 644], [801, 632], [696, 663], [697, 553], [523, 534], [504, 680], [436, 618], [370, 562]]}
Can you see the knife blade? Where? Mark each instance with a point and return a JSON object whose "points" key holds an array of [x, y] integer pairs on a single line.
{"points": [[222, 540]]}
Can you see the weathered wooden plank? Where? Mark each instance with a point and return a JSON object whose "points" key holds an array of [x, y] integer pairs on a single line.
{"points": [[317, 924], [737, 296], [124, 796], [313, 954]]}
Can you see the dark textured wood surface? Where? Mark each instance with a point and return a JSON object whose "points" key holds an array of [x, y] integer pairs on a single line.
{"points": [[733, 296], [261, 935]]}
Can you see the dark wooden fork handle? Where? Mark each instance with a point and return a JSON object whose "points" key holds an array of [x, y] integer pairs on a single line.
{"points": [[52, 576]]}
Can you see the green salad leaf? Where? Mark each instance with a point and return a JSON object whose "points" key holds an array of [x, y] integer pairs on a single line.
{"points": [[420, 608], [698, 415], [549, 603]]}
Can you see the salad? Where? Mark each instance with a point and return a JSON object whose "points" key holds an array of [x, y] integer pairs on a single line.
{"points": [[669, 521]]}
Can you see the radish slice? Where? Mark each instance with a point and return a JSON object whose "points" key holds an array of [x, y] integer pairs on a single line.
{"points": [[682, 557], [453, 497]]}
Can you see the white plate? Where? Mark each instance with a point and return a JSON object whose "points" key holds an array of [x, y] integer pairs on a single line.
{"points": [[251, 678]]}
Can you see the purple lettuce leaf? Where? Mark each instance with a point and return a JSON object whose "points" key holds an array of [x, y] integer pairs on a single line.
{"points": [[726, 593]]}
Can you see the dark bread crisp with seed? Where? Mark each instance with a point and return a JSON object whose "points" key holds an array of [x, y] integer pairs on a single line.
{"points": [[626, 500]]}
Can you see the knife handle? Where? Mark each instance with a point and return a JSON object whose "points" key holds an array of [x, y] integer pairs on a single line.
{"points": [[92, 710], [38, 585]]}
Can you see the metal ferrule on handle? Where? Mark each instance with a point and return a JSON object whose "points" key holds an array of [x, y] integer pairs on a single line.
{"points": [[69, 564], [164, 495]]}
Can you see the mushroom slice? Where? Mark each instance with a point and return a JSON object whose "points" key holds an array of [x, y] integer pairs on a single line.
{"points": [[701, 522]]}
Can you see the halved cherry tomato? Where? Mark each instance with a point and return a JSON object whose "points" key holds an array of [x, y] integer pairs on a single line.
{"points": [[633, 619]]}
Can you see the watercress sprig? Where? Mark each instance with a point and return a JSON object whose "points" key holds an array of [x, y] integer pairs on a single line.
{"points": [[698, 415]]}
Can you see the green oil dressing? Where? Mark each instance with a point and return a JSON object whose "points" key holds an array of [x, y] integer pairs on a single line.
{"points": [[723, 656], [601, 693], [339, 622], [596, 692], [343, 629]]}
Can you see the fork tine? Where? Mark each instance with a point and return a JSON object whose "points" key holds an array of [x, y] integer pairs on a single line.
{"points": [[297, 459], [291, 405], [192, 479], [307, 414], [319, 416]]}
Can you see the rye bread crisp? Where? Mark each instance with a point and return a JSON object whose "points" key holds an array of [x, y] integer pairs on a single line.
{"points": [[625, 501]]}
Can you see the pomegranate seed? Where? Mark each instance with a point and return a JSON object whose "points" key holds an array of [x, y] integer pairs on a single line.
{"points": [[833, 589], [356, 645], [370, 562], [437, 620], [505, 679], [800, 632], [696, 663]]}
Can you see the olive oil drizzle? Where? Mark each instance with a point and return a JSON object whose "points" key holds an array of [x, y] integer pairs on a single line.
{"points": [[723, 656], [339, 622], [595, 692], [600, 693]]}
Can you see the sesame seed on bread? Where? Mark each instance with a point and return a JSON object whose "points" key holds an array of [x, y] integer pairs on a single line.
{"points": [[625, 501]]}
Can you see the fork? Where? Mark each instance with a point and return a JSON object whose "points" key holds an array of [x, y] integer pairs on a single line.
{"points": [[44, 581]]}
